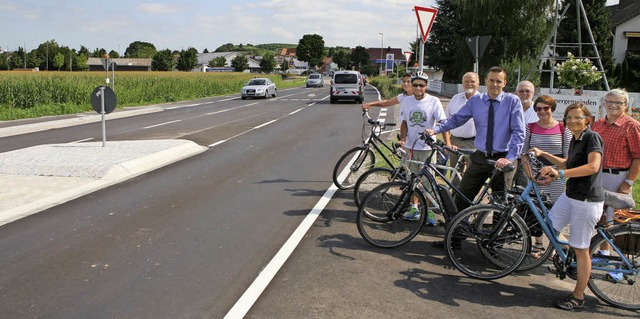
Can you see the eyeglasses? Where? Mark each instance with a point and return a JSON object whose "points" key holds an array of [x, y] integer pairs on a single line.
{"points": [[540, 108], [418, 85], [524, 91], [575, 118], [616, 103]]}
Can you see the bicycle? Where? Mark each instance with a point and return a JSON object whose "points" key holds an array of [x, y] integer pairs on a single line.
{"points": [[378, 175], [380, 219], [613, 277], [362, 158]]}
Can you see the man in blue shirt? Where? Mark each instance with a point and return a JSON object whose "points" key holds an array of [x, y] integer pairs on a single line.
{"points": [[504, 145]]}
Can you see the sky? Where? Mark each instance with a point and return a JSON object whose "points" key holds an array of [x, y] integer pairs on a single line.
{"points": [[181, 24]]}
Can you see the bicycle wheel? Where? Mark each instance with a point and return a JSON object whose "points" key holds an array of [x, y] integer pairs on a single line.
{"points": [[477, 253], [365, 160], [613, 287], [380, 216], [370, 179], [538, 254]]}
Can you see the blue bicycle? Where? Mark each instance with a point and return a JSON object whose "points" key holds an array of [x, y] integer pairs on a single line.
{"points": [[490, 242]]}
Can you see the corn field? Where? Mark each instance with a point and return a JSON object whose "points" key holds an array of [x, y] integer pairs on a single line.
{"points": [[31, 94]]}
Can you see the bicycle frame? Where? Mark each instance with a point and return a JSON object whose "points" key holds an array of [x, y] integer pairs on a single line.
{"points": [[558, 244]]}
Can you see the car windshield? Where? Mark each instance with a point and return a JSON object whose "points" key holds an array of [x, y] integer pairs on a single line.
{"points": [[257, 82], [348, 78], [314, 76]]}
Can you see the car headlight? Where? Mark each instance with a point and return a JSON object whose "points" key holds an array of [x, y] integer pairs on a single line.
{"points": [[259, 90]]}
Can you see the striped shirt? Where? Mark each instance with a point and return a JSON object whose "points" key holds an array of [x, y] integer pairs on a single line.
{"points": [[552, 141]]}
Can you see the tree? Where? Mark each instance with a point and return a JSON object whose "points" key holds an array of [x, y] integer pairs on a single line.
{"points": [[163, 61], [58, 61], [187, 60], [98, 53], [81, 62], [311, 49], [218, 62], [341, 57], [140, 49], [240, 63], [268, 63], [515, 30], [114, 54], [360, 57]]}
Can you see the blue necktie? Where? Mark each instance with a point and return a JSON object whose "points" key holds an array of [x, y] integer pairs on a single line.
{"points": [[489, 147]]}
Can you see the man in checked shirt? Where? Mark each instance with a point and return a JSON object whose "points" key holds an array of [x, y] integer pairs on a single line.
{"points": [[621, 140]]}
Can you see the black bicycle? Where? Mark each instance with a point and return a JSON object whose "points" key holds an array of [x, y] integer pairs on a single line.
{"points": [[382, 218], [363, 158]]}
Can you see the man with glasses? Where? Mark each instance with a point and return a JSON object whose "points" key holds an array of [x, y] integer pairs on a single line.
{"points": [[499, 121], [621, 140], [525, 91], [419, 112]]}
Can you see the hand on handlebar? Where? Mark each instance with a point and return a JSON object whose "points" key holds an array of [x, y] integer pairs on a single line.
{"points": [[429, 132], [536, 151], [547, 175], [366, 106], [503, 163]]}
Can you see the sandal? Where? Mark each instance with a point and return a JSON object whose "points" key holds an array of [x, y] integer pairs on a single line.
{"points": [[569, 302], [537, 250]]}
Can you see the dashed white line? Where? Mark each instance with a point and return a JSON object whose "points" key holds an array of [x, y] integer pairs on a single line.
{"points": [[161, 124]]}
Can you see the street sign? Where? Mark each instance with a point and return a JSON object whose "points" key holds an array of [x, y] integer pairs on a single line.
{"points": [[407, 55], [425, 20], [478, 44], [389, 62], [110, 100]]}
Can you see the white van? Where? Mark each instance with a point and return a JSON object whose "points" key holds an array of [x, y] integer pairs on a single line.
{"points": [[346, 85]]}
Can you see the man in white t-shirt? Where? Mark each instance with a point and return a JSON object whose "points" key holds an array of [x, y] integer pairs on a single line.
{"points": [[463, 136], [419, 112]]}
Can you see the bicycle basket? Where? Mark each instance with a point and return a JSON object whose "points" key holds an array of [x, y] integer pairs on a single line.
{"points": [[624, 216]]}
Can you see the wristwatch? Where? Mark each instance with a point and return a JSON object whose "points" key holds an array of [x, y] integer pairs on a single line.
{"points": [[628, 181]]}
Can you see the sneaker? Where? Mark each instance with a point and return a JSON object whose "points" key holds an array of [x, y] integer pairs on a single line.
{"points": [[412, 214], [569, 303], [614, 276], [431, 218]]}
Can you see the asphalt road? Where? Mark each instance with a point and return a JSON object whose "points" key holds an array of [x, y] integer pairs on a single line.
{"points": [[187, 240]]}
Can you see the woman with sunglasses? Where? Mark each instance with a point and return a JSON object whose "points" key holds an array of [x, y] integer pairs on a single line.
{"points": [[551, 136], [580, 206]]}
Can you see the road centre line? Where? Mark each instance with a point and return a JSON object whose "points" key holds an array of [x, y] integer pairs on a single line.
{"points": [[251, 129], [249, 297], [182, 106], [161, 124]]}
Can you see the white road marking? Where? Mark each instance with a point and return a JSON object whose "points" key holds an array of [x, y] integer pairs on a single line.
{"points": [[82, 140], [161, 124], [249, 297]]}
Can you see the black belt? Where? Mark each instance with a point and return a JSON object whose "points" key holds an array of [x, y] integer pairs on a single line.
{"points": [[615, 171], [464, 138], [493, 154]]}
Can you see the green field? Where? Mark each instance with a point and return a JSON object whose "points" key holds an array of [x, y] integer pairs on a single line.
{"points": [[26, 94]]}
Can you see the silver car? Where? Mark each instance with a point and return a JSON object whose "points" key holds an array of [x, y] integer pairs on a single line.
{"points": [[259, 87], [316, 80]]}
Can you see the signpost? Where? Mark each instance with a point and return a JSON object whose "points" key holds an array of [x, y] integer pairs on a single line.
{"points": [[477, 45], [425, 20], [388, 63], [103, 101]]}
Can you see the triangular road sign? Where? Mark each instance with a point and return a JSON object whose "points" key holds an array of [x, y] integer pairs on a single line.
{"points": [[425, 20]]}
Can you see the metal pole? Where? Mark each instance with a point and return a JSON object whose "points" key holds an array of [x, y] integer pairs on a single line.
{"points": [[381, 49], [595, 47], [477, 66], [556, 22], [421, 58], [102, 112]]}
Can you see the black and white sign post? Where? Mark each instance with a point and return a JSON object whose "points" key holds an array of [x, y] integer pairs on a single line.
{"points": [[103, 101], [425, 20]]}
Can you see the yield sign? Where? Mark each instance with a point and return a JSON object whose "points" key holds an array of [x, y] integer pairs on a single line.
{"points": [[407, 55], [425, 20]]}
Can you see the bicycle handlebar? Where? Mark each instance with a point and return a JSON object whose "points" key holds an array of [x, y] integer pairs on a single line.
{"points": [[365, 113]]}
